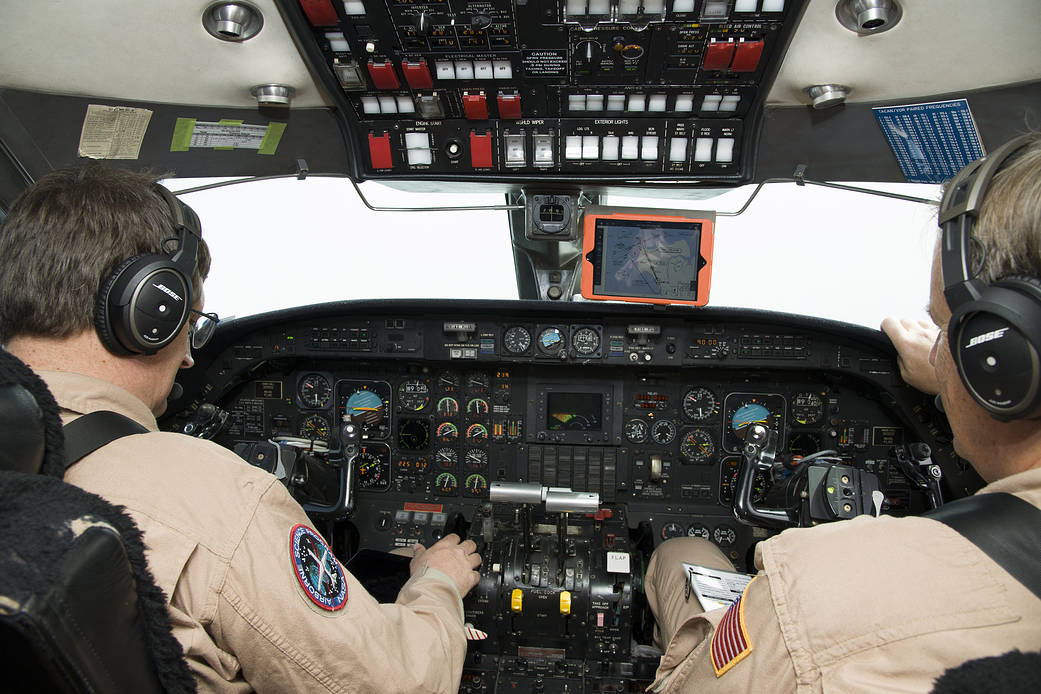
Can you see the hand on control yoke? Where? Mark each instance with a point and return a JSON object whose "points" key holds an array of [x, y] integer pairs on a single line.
{"points": [[459, 560], [914, 340]]}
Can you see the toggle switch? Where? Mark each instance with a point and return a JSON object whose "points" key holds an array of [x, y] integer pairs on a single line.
{"points": [[703, 149], [513, 149], [718, 55], [417, 74], [747, 55], [684, 103], [630, 147], [678, 149], [649, 147], [379, 151], [729, 103], [725, 149], [320, 13], [573, 147], [383, 75], [543, 146], [517, 600], [475, 106], [509, 105], [417, 149], [481, 150]]}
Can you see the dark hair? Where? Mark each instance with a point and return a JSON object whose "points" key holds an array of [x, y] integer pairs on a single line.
{"points": [[65, 235]]}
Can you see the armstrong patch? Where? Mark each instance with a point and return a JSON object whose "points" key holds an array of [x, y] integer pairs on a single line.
{"points": [[730, 643], [316, 569]]}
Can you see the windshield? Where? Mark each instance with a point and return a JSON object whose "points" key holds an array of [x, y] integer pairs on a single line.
{"points": [[799, 249]]}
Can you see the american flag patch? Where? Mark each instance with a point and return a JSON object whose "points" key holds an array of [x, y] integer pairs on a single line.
{"points": [[730, 642], [473, 634]]}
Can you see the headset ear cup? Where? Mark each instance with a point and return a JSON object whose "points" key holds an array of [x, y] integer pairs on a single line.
{"points": [[143, 306], [996, 344], [103, 318]]}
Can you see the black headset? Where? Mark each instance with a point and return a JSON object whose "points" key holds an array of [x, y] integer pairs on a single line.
{"points": [[144, 303], [995, 330]]}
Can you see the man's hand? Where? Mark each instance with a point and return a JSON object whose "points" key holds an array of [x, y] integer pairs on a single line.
{"points": [[914, 340], [456, 559]]}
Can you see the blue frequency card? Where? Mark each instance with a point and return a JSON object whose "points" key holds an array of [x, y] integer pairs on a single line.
{"points": [[933, 141]]}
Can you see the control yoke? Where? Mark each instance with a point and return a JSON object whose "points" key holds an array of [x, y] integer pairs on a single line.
{"points": [[758, 456]]}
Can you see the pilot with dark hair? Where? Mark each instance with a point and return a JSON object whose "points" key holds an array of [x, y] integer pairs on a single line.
{"points": [[255, 595], [886, 604]]}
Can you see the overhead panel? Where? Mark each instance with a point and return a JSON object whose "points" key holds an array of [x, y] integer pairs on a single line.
{"points": [[545, 90]]}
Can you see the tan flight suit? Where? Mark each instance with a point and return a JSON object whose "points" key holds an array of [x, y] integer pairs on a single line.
{"points": [[217, 534], [866, 605]]}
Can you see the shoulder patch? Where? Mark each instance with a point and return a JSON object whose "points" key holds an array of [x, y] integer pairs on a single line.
{"points": [[316, 569], [730, 642]]}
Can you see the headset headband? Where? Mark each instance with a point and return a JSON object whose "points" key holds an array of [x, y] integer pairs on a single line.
{"points": [[959, 210], [186, 224]]}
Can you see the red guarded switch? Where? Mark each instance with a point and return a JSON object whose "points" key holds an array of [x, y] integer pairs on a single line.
{"points": [[379, 151], [475, 106], [481, 150], [383, 75], [417, 74], [509, 105], [718, 55], [319, 12], [747, 55]]}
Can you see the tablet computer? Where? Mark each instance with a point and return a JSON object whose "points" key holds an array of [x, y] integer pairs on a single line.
{"points": [[647, 255]]}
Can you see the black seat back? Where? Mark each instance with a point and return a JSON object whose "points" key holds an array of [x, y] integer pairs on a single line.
{"points": [[79, 610]]}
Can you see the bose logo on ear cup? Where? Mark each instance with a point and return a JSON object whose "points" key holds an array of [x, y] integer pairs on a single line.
{"points": [[986, 337], [166, 290]]}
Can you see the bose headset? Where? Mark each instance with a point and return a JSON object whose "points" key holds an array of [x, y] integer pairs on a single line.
{"points": [[995, 330], [144, 303]]}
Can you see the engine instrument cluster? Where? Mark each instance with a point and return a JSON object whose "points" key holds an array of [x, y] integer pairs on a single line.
{"points": [[648, 408]]}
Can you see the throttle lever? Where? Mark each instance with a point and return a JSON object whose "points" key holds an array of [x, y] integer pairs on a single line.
{"points": [[915, 461]]}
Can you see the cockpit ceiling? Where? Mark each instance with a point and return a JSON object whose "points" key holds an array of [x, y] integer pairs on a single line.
{"points": [[159, 52]]}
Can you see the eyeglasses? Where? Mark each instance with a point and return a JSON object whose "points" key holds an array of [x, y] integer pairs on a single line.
{"points": [[201, 327]]}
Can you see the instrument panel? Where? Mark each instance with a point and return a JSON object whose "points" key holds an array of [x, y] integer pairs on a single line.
{"points": [[646, 407]]}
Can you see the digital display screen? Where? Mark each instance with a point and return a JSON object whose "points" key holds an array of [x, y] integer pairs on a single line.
{"points": [[648, 258], [574, 411]]}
